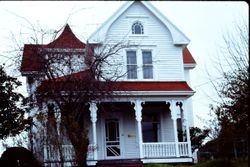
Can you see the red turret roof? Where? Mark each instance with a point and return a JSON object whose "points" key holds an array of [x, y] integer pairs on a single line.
{"points": [[67, 39], [32, 60]]}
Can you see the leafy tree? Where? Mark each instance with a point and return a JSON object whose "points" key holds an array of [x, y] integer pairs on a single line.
{"points": [[197, 137], [12, 120], [232, 109]]}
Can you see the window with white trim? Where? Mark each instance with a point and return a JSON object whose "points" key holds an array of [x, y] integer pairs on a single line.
{"points": [[131, 65], [139, 64], [137, 28], [147, 64]]}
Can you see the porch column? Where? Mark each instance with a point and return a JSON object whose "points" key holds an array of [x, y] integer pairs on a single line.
{"points": [[138, 117], [174, 118], [93, 115], [187, 129]]}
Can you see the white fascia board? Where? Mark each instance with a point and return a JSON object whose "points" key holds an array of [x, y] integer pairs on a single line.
{"points": [[189, 66], [27, 73], [154, 93], [179, 38], [100, 34], [73, 50]]}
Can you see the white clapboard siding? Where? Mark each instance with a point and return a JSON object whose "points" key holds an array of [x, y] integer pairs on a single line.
{"points": [[130, 145], [167, 127], [167, 58]]}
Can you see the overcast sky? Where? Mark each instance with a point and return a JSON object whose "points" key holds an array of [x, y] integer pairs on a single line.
{"points": [[203, 22]]}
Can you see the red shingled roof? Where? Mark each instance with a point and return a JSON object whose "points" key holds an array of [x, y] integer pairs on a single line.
{"points": [[127, 86], [67, 39], [187, 57], [65, 83], [31, 60], [152, 86]]}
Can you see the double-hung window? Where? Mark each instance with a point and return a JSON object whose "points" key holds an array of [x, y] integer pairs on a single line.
{"points": [[131, 65], [147, 64]]}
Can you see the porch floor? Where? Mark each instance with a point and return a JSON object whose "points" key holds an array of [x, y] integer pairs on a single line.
{"points": [[120, 163]]}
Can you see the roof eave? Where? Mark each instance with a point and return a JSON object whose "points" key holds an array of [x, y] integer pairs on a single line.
{"points": [[154, 93], [102, 30], [191, 66], [27, 73], [179, 38]]}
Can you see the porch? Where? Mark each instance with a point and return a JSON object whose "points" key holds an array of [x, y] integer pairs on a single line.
{"points": [[151, 130], [144, 130], [156, 150], [164, 152]]}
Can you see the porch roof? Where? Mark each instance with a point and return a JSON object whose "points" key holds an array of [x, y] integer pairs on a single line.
{"points": [[152, 86], [78, 81]]}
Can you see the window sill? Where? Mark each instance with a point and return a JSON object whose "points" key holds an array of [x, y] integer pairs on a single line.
{"points": [[136, 80], [138, 35]]}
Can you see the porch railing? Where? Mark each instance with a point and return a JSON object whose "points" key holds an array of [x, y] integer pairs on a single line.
{"points": [[183, 148], [164, 149], [150, 150], [52, 153]]}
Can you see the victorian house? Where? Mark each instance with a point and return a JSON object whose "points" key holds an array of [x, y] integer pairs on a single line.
{"points": [[151, 110]]}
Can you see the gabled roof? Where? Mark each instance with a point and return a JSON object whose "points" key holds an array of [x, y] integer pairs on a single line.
{"points": [[32, 60], [178, 36]]}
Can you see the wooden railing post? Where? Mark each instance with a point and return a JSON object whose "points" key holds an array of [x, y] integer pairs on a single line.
{"points": [[93, 115], [174, 118], [187, 130], [138, 117]]}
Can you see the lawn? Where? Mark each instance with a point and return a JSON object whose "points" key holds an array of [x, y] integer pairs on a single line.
{"points": [[214, 163]]}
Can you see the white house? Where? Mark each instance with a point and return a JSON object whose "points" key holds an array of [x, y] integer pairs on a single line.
{"points": [[153, 109]]}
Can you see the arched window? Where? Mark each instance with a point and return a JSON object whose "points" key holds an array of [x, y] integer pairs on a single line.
{"points": [[137, 28]]}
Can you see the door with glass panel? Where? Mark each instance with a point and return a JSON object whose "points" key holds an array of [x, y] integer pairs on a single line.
{"points": [[112, 138]]}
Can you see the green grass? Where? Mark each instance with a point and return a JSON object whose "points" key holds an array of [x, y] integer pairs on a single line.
{"points": [[241, 164], [213, 163]]}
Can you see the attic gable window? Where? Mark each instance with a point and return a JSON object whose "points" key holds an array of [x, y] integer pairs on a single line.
{"points": [[137, 28]]}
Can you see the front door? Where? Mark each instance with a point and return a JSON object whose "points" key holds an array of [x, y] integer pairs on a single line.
{"points": [[112, 135]]}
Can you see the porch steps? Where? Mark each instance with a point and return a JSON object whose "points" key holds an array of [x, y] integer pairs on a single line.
{"points": [[120, 163]]}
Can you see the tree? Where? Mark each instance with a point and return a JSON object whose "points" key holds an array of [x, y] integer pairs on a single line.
{"points": [[73, 91], [71, 78], [197, 137], [233, 90], [12, 110]]}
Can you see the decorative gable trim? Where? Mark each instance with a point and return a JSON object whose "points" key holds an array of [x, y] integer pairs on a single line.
{"points": [[178, 37]]}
